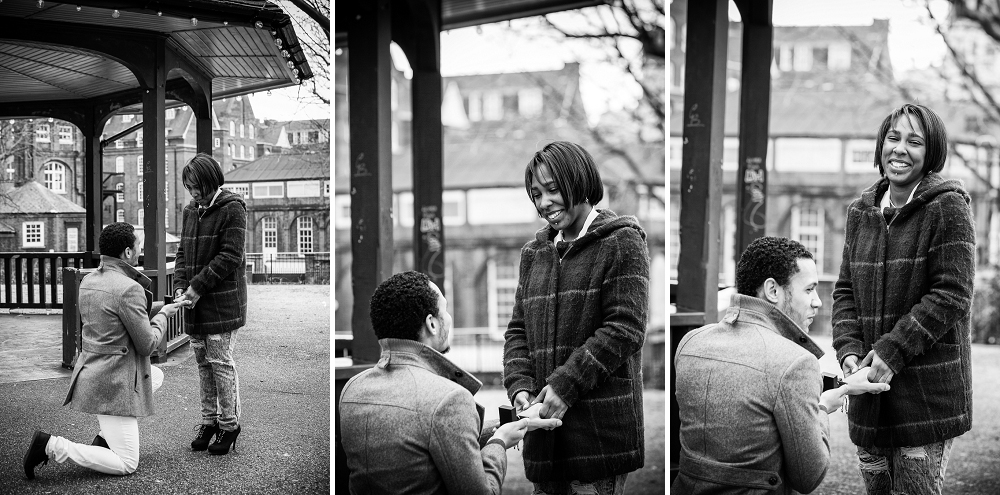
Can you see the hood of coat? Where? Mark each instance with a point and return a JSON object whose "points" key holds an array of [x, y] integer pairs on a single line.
{"points": [[929, 188], [606, 223], [225, 197]]}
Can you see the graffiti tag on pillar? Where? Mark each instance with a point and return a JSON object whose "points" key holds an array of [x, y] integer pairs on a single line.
{"points": [[754, 187], [694, 119], [360, 230], [360, 167], [430, 235]]}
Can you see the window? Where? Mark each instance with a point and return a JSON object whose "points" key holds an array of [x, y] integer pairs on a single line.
{"points": [[269, 231], [305, 230], [120, 215], [138, 138], [326, 188], [55, 177], [250, 152], [171, 113], [453, 207], [166, 218], [675, 235], [127, 118], [313, 137], [42, 133], [218, 143], [166, 192], [501, 285], [232, 150], [785, 58], [839, 56], [138, 166], [529, 102], [303, 189], [820, 56], [243, 151], [241, 189], [269, 190], [493, 106], [120, 196], [807, 228], [72, 239], [291, 138], [242, 130], [475, 107], [119, 144], [394, 137], [252, 135], [860, 155], [232, 128], [65, 134], [120, 165], [802, 58], [33, 234], [140, 217], [138, 195]]}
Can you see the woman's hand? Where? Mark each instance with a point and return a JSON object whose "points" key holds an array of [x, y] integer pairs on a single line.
{"points": [[191, 296], [850, 365], [880, 372], [552, 405], [522, 400]]}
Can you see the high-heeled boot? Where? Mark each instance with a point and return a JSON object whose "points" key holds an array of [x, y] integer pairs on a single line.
{"points": [[204, 436], [223, 441]]}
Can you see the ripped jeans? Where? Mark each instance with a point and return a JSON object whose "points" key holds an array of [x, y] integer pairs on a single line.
{"points": [[904, 470], [614, 485], [220, 385]]}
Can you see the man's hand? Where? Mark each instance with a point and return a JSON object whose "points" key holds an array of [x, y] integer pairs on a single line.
{"points": [[850, 365], [169, 310], [552, 405], [880, 372], [522, 400], [833, 399], [511, 433], [857, 383]]}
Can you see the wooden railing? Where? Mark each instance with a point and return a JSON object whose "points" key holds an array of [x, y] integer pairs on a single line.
{"points": [[72, 323], [34, 279]]}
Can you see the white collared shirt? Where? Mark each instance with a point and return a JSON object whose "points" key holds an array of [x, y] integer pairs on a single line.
{"points": [[885, 203], [586, 225]]}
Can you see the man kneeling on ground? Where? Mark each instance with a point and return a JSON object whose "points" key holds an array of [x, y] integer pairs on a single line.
{"points": [[410, 424]]}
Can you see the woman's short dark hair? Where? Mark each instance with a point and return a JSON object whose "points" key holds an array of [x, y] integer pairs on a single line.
{"points": [[573, 170], [401, 303], [936, 137], [115, 238], [769, 257], [205, 172]]}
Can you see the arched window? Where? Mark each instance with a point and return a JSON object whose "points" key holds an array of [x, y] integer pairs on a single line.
{"points": [[232, 128], [120, 196], [251, 132], [120, 164], [55, 177]]}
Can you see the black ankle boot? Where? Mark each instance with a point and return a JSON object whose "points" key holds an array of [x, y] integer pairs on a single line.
{"points": [[36, 453], [223, 441], [204, 436]]}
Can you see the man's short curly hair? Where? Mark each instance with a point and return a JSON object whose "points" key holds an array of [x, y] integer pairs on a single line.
{"points": [[401, 303], [769, 257], [115, 238]]}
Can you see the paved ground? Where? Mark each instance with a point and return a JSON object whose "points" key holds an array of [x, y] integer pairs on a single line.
{"points": [[283, 357]]}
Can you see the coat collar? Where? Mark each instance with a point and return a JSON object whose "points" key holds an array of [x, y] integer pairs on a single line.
{"points": [[755, 310], [410, 352], [112, 264]]}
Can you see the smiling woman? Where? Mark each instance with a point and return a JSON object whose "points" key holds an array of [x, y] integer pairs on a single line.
{"points": [[902, 306]]}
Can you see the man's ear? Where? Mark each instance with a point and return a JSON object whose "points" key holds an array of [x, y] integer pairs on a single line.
{"points": [[431, 324], [769, 291]]}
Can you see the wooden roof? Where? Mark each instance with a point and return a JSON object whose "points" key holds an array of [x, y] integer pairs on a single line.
{"points": [[464, 13], [231, 41]]}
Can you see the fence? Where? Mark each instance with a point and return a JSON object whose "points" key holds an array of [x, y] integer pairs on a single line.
{"points": [[72, 323], [301, 268], [34, 280]]}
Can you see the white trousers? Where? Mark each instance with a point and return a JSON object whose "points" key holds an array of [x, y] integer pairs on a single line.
{"points": [[122, 435]]}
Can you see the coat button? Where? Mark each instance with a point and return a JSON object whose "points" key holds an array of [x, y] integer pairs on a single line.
{"points": [[773, 480], [124, 351], [802, 339], [147, 376]]}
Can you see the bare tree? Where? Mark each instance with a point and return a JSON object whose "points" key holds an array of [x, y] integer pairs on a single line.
{"points": [[17, 142]]}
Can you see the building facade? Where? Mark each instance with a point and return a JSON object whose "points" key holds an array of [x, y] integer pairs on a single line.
{"points": [[494, 123]]}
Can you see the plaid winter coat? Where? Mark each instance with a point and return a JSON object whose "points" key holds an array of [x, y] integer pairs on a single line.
{"points": [[211, 259], [578, 325], [905, 289]]}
